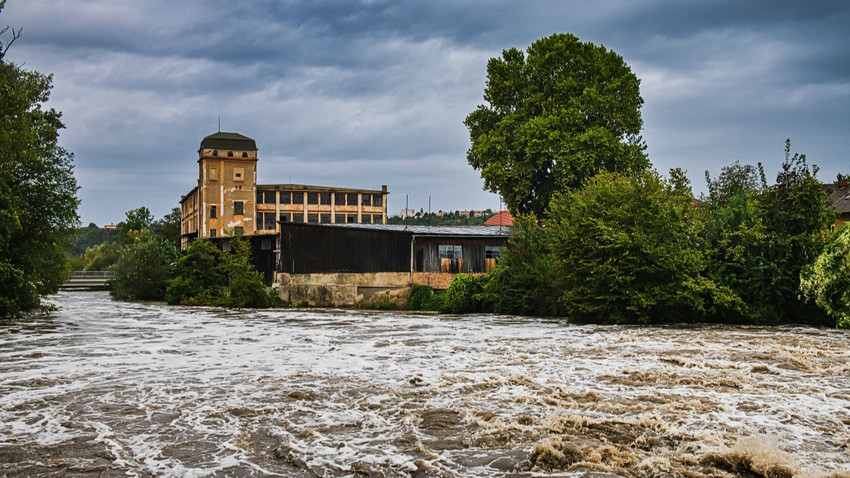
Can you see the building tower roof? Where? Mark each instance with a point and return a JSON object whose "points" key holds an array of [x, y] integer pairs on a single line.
{"points": [[224, 140]]}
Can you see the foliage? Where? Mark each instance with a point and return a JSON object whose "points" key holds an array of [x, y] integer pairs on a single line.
{"points": [[464, 295], [626, 252], [523, 281], [169, 226], [420, 295], [88, 237], [146, 265], [827, 280], [441, 219], [759, 238], [97, 258], [136, 220], [207, 275], [554, 118], [197, 274], [38, 203]]}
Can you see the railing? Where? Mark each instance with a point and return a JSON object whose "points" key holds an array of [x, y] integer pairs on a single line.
{"points": [[92, 280], [108, 274]]}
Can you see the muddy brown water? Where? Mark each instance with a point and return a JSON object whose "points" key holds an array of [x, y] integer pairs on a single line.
{"points": [[103, 388]]}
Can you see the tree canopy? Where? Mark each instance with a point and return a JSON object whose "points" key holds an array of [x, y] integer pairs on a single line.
{"points": [[38, 202], [555, 117]]}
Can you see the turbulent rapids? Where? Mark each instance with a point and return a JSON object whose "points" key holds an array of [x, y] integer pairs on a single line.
{"points": [[102, 388]]}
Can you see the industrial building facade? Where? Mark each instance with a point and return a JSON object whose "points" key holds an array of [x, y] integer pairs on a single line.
{"points": [[227, 199]]}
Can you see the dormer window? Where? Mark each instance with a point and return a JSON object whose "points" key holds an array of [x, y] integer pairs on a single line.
{"points": [[230, 154], [244, 155], [215, 153]]}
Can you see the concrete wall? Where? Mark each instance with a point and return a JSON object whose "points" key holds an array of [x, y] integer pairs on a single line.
{"points": [[356, 289]]}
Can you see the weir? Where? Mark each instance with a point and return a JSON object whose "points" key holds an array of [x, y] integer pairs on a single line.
{"points": [[88, 280]]}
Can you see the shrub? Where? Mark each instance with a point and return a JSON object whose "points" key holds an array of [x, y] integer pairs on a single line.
{"points": [[464, 295]]}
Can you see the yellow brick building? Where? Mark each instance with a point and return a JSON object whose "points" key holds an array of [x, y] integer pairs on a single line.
{"points": [[227, 198]]}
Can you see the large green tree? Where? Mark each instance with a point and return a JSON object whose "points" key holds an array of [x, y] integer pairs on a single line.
{"points": [[554, 117], [38, 202]]}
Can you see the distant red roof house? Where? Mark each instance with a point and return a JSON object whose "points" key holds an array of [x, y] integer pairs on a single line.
{"points": [[502, 218]]}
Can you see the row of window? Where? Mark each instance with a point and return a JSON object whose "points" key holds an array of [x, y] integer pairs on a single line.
{"points": [[340, 199], [266, 220], [456, 252], [230, 154], [269, 217]]}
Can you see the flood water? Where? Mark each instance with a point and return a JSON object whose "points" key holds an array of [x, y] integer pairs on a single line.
{"points": [[103, 388]]}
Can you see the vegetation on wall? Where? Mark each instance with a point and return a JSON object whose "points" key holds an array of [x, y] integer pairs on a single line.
{"points": [[38, 202]]}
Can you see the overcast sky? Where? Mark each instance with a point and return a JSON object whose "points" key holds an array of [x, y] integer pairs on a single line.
{"points": [[360, 94]]}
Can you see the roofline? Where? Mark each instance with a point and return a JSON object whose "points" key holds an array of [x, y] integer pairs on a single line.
{"points": [[309, 187], [190, 193], [414, 234]]}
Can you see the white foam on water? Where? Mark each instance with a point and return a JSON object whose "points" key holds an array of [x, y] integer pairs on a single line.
{"points": [[176, 391]]}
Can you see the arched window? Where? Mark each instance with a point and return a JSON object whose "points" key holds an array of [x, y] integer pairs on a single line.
{"points": [[244, 154], [215, 153], [230, 154]]}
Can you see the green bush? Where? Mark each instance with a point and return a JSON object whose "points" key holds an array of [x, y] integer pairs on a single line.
{"points": [[144, 269], [464, 295], [420, 295], [827, 281]]}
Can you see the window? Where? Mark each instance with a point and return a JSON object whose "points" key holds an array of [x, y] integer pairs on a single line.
{"points": [[312, 218], [378, 200], [215, 153], [312, 198], [230, 154], [238, 230], [325, 198], [259, 220], [325, 218], [297, 217], [269, 223], [265, 197], [213, 211], [266, 244], [298, 198], [286, 198], [339, 199], [352, 199], [213, 174], [366, 219], [451, 252], [238, 208], [285, 217], [366, 199], [378, 219], [212, 232], [351, 218], [339, 218], [492, 252], [238, 174], [244, 154]]}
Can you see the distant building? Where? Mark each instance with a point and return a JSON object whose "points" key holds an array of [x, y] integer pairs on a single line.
{"points": [[407, 213], [227, 198], [502, 218], [839, 197], [110, 226]]}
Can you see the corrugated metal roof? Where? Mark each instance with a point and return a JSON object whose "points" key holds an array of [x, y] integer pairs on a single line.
{"points": [[481, 231], [224, 140]]}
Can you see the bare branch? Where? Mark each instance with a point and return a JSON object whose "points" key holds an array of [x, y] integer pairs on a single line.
{"points": [[15, 36]]}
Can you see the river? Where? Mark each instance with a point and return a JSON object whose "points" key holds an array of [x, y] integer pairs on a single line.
{"points": [[103, 388]]}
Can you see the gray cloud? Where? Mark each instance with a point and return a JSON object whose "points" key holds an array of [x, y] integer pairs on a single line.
{"points": [[374, 92]]}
